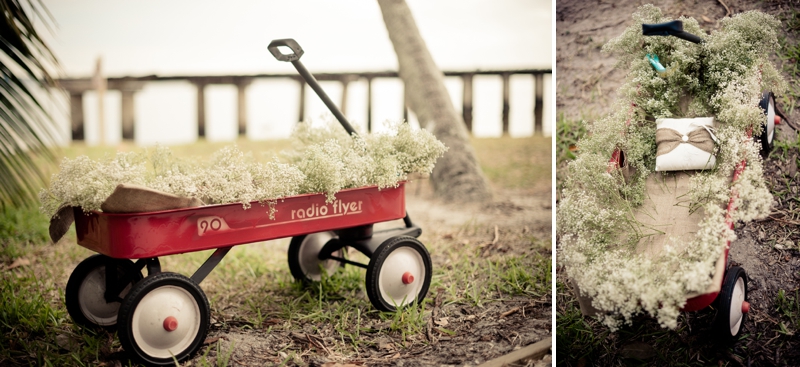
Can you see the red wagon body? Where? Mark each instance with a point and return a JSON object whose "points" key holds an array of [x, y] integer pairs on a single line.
{"points": [[161, 233]]}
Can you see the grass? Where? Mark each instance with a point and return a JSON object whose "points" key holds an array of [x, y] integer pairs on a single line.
{"points": [[516, 163], [252, 289], [788, 306], [20, 229], [568, 133], [34, 326]]}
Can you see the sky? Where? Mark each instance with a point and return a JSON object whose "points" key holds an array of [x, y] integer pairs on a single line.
{"points": [[182, 37], [231, 37]]}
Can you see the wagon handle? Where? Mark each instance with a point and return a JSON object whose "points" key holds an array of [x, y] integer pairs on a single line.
{"points": [[294, 58], [297, 51], [673, 28]]}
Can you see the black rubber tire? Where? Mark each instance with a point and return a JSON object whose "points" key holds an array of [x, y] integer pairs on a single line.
{"points": [[722, 321], [376, 263], [294, 259], [126, 274], [764, 139], [138, 293]]}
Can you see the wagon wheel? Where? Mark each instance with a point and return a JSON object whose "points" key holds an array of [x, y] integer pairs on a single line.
{"points": [[733, 307], [165, 316], [304, 263], [86, 289], [398, 274], [767, 137]]}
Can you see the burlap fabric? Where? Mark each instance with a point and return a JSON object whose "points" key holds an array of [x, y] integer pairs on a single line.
{"points": [[668, 139], [666, 209], [126, 198]]}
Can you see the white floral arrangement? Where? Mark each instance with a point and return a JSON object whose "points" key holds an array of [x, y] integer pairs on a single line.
{"points": [[597, 230], [324, 159]]}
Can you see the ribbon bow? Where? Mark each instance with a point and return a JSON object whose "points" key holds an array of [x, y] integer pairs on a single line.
{"points": [[668, 139]]}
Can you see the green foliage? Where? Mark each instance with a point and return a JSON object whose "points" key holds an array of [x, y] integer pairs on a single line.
{"points": [[32, 328], [519, 275], [789, 308], [19, 228], [568, 133], [27, 130], [575, 338]]}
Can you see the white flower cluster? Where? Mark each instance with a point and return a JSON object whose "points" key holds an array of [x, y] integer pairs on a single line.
{"points": [[323, 160], [723, 77], [87, 183]]}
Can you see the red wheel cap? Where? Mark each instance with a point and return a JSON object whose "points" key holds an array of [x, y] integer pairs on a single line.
{"points": [[745, 307], [777, 120], [408, 278], [170, 323]]}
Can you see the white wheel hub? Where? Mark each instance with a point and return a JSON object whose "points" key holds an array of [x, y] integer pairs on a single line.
{"points": [[770, 126], [401, 276], [737, 299], [91, 298], [308, 255], [166, 321]]}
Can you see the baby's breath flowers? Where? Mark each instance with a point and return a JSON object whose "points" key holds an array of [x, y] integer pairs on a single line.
{"points": [[324, 159], [722, 77]]}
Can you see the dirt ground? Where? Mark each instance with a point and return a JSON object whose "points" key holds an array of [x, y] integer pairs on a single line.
{"points": [[480, 333], [587, 81], [766, 249]]}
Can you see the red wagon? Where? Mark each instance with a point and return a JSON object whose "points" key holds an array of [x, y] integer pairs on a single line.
{"points": [[664, 207], [166, 315]]}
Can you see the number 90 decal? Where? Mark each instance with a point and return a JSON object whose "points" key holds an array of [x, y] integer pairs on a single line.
{"points": [[208, 225]]}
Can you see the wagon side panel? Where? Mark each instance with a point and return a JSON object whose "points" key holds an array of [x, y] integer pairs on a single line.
{"points": [[141, 235]]}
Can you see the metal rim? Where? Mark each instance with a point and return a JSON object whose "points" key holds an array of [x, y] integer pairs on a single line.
{"points": [[148, 323], [91, 298], [308, 256], [394, 273], [737, 299]]}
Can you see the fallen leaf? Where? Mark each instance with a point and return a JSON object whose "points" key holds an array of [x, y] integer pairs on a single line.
{"points": [[442, 322], [707, 20], [67, 342], [19, 262]]}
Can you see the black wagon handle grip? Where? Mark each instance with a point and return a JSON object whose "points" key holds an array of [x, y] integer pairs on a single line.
{"points": [[297, 51], [294, 58], [673, 28]]}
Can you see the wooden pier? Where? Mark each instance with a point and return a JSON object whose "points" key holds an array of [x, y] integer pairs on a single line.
{"points": [[128, 86]]}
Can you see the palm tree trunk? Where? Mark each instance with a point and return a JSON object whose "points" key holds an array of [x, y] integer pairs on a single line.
{"points": [[457, 176]]}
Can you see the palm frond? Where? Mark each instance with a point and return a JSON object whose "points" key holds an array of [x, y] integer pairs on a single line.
{"points": [[27, 131]]}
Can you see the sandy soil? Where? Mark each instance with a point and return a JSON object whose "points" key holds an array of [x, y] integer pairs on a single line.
{"points": [[481, 333]]}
